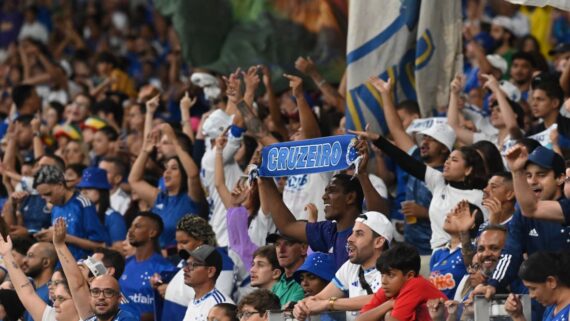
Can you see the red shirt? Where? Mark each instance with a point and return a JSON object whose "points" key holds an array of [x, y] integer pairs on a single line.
{"points": [[410, 303]]}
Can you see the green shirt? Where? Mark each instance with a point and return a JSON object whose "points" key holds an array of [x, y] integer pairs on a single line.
{"points": [[288, 290]]}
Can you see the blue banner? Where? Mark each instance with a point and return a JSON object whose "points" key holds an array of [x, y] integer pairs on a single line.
{"points": [[325, 154]]}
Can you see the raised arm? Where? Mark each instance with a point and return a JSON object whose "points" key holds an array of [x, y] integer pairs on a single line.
{"points": [[78, 287], [456, 86], [252, 122], [37, 140], [274, 111], [185, 105], [147, 192], [282, 217], [219, 177], [509, 116], [309, 125], [402, 139], [24, 288], [194, 187], [374, 202], [330, 94], [517, 157], [251, 79], [407, 162]]}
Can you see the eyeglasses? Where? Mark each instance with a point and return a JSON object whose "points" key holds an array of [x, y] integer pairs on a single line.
{"points": [[56, 282], [473, 268], [192, 266], [107, 293], [60, 299], [246, 314]]}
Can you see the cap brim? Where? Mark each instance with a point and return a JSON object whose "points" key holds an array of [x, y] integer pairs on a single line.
{"points": [[272, 238]]}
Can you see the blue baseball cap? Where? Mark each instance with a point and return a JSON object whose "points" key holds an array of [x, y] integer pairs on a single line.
{"points": [[547, 158], [94, 177], [319, 264]]}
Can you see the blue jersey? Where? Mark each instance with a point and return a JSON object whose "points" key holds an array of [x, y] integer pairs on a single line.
{"points": [[527, 235], [35, 213], [135, 282], [82, 221], [323, 237], [447, 269], [115, 225], [43, 293], [562, 315], [171, 209], [120, 316]]}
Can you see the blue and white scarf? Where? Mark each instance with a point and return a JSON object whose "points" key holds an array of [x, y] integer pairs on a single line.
{"points": [[325, 154]]}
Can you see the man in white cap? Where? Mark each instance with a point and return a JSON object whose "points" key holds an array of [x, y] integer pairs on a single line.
{"points": [[371, 235], [214, 126], [502, 33], [434, 145]]}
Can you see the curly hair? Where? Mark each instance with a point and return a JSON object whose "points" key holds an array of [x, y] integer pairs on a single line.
{"points": [[197, 228]]}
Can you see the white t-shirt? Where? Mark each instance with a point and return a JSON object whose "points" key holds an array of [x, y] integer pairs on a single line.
{"points": [[261, 226], [445, 197], [120, 201], [34, 30], [301, 190], [346, 279], [198, 309], [232, 173]]}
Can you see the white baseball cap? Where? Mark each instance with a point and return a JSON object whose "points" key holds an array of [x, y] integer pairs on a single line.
{"points": [[443, 133], [504, 22], [498, 62], [216, 123], [379, 223], [512, 92]]}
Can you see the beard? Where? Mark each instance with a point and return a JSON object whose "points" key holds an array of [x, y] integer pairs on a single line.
{"points": [[107, 315], [34, 272]]}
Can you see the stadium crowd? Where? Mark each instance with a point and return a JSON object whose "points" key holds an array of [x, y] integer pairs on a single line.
{"points": [[127, 188]]}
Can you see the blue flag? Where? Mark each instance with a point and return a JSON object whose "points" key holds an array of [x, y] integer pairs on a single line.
{"points": [[309, 156]]}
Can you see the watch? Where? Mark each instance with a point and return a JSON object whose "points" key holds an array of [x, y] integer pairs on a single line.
{"points": [[332, 300]]}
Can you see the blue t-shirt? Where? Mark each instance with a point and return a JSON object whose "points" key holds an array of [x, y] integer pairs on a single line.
{"points": [[35, 213], [121, 316], [562, 315], [82, 221], [323, 237], [447, 269], [115, 225], [135, 282], [43, 293], [171, 209]]}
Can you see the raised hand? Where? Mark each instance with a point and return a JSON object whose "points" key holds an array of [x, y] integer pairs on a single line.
{"points": [[491, 83], [251, 79], [36, 124], [517, 157], [305, 65], [367, 135], [312, 212], [59, 231], [457, 84], [266, 75], [152, 104], [150, 141], [296, 84], [5, 245], [233, 85], [222, 140], [186, 103], [463, 216], [494, 207], [362, 148], [384, 87]]}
